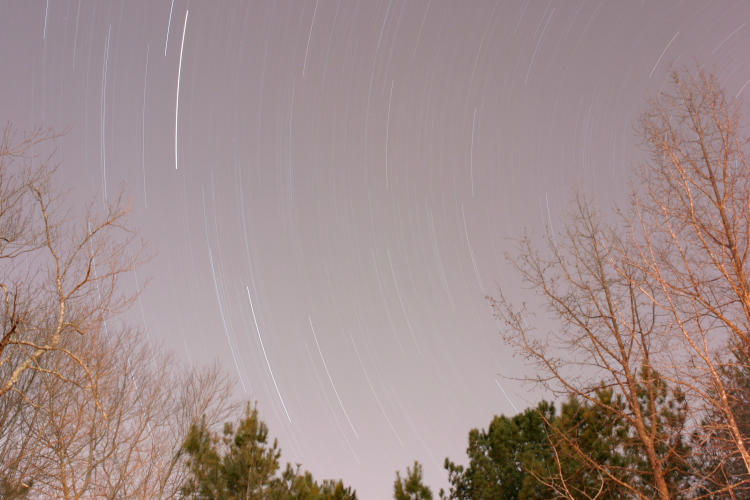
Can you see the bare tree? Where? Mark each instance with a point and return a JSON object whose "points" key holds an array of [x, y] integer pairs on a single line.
{"points": [[88, 408], [660, 297], [604, 342], [57, 279], [689, 234], [205, 394], [125, 444]]}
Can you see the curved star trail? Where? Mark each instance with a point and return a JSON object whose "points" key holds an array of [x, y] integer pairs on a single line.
{"points": [[368, 164]]}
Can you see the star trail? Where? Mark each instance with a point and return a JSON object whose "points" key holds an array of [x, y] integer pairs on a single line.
{"points": [[329, 187]]}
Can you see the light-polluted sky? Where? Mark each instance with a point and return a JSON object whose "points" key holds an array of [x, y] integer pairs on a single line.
{"points": [[329, 186]]}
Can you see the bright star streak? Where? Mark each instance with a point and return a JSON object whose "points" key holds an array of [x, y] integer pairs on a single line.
{"points": [[471, 153], [741, 89], [309, 35], [356, 434], [218, 295], [143, 131], [104, 115], [728, 37], [268, 363], [330, 407], [387, 133], [401, 301], [538, 42], [385, 303], [662, 55], [224, 321], [75, 35], [506, 396], [438, 257], [177, 104], [471, 250], [166, 41], [46, 10], [375, 394]]}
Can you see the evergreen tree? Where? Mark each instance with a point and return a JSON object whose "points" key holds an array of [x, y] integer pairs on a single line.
{"points": [[411, 487], [245, 470], [300, 485], [243, 464], [717, 463], [586, 440], [584, 452], [501, 458], [10, 491]]}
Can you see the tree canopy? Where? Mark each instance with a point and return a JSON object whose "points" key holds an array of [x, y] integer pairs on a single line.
{"points": [[243, 463], [411, 487]]}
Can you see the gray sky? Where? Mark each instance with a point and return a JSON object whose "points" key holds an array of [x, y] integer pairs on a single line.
{"points": [[330, 195]]}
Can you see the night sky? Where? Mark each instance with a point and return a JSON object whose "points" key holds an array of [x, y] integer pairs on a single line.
{"points": [[329, 187]]}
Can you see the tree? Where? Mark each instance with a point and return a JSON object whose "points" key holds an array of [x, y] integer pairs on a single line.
{"points": [[10, 491], [652, 306], [299, 485], [581, 434], [411, 487], [721, 470], [501, 457], [243, 464], [538, 454], [689, 234], [246, 469], [604, 342], [58, 279], [88, 408], [585, 439], [127, 443]]}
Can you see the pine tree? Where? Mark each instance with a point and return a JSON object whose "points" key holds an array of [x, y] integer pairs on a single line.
{"points": [[245, 469], [501, 458], [243, 464], [721, 470], [411, 486], [584, 452]]}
